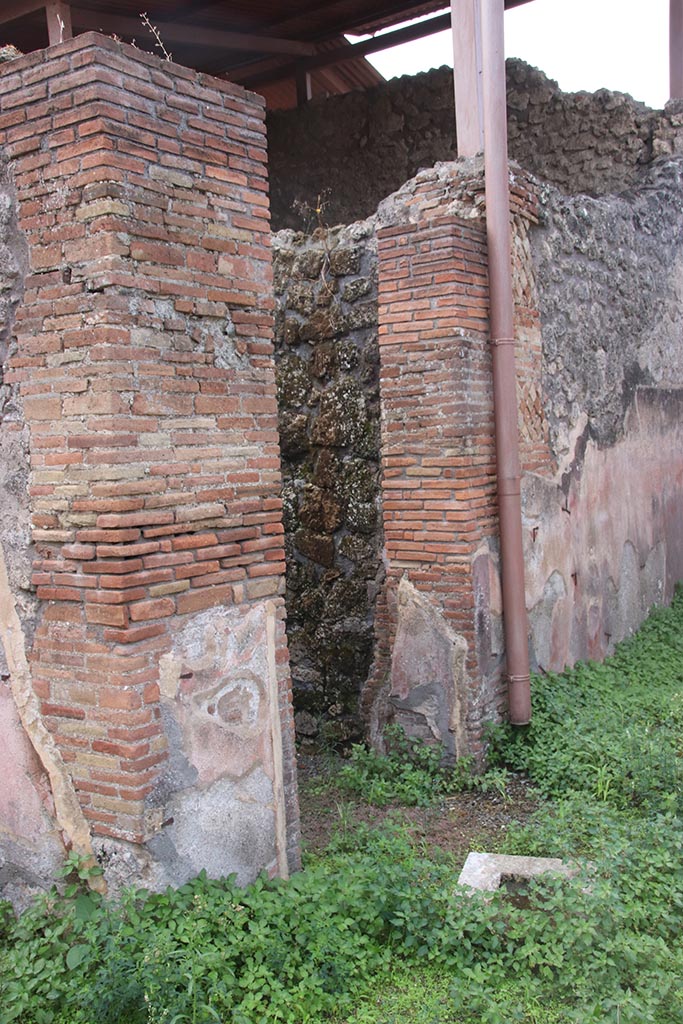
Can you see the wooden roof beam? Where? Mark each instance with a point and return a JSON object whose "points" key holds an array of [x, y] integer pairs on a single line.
{"points": [[192, 35], [344, 23], [248, 77], [58, 15], [58, 21]]}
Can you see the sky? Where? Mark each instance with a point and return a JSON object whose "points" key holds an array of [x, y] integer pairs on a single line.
{"points": [[621, 45]]}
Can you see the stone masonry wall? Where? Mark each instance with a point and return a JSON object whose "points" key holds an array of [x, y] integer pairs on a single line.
{"points": [[144, 368], [610, 289], [609, 275], [354, 150], [328, 399], [598, 327]]}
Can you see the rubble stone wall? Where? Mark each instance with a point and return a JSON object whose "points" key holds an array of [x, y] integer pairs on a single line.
{"points": [[354, 150], [609, 279], [328, 399]]}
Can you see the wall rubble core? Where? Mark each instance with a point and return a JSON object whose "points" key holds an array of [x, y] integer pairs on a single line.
{"points": [[328, 399], [144, 371]]}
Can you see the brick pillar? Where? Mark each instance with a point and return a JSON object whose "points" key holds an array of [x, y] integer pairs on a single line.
{"points": [[144, 358], [438, 669]]}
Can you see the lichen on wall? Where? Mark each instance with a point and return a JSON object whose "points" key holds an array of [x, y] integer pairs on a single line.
{"points": [[327, 375]]}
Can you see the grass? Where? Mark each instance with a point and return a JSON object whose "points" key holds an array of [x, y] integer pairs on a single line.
{"points": [[375, 931]]}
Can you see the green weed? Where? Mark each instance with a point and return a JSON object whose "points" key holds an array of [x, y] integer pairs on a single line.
{"points": [[377, 932], [411, 773]]}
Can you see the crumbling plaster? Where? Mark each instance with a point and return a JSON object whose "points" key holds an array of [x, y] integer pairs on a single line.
{"points": [[601, 550], [15, 522], [603, 520]]}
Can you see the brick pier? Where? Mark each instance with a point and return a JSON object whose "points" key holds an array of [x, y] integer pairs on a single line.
{"points": [[144, 363]]}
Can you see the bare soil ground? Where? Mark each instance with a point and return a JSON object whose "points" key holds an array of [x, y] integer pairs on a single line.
{"points": [[464, 822]]}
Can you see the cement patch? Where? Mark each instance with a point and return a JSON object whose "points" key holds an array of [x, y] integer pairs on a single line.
{"points": [[227, 828], [488, 871]]}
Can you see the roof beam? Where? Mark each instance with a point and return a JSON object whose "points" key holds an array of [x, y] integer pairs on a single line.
{"points": [[349, 52], [174, 32], [12, 9], [344, 23], [58, 21], [402, 11]]}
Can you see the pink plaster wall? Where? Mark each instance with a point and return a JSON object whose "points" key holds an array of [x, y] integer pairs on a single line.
{"points": [[26, 809], [606, 547]]}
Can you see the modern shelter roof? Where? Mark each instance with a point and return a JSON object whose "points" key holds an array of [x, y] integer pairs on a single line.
{"points": [[266, 44]]}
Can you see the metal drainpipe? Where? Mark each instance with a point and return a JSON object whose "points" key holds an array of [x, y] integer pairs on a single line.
{"points": [[503, 348], [675, 49]]}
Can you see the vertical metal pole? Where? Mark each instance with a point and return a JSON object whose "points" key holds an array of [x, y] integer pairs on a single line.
{"points": [[676, 49], [467, 76], [58, 22], [504, 374], [304, 86]]}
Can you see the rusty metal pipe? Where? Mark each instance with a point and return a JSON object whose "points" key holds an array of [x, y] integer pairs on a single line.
{"points": [[675, 49], [503, 352]]}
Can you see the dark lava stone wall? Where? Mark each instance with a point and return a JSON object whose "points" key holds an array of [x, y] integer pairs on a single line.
{"points": [[610, 283], [356, 149], [328, 398]]}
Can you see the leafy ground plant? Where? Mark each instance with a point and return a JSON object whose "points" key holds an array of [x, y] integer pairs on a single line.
{"points": [[376, 931], [614, 730], [411, 773]]}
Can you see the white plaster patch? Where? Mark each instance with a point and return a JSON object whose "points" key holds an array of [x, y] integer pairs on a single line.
{"points": [[216, 684], [428, 674]]}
